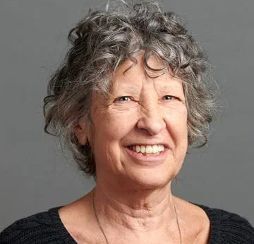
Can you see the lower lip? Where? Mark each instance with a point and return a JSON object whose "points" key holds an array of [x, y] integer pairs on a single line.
{"points": [[149, 159]]}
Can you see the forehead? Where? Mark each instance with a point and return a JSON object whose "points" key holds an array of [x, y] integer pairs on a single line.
{"points": [[134, 72], [139, 62]]}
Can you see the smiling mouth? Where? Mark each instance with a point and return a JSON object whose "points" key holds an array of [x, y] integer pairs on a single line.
{"points": [[148, 149], [148, 155]]}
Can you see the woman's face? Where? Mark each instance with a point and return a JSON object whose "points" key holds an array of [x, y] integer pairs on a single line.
{"points": [[139, 135]]}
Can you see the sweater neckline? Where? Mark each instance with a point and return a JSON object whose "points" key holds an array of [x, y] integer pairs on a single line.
{"points": [[214, 222], [57, 221]]}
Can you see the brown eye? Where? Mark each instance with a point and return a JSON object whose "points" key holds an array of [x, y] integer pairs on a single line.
{"points": [[123, 99], [169, 97]]}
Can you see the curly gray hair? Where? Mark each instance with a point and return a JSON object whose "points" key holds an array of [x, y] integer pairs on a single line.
{"points": [[100, 43]]}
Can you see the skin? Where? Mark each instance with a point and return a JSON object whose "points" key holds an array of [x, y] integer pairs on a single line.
{"points": [[133, 197]]}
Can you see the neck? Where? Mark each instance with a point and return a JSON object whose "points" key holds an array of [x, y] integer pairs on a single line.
{"points": [[143, 210]]}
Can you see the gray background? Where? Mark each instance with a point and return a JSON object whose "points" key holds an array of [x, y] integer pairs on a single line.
{"points": [[35, 175]]}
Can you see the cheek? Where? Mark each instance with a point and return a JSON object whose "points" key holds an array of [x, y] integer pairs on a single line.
{"points": [[176, 121], [182, 136], [108, 131], [115, 125], [107, 136]]}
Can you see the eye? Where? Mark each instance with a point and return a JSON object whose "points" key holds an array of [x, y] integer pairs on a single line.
{"points": [[124, 99], [169, 97]]}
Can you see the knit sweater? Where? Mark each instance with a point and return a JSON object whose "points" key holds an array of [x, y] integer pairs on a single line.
{"points": [[46, 227]]}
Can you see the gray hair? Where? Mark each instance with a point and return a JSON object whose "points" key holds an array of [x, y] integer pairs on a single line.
{"points": [[99, 44]]}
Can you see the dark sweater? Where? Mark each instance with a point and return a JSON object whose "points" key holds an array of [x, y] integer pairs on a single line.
{"points": [[46, 227]]}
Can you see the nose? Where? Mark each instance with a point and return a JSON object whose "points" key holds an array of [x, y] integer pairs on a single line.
{"points": [[151, 120]]}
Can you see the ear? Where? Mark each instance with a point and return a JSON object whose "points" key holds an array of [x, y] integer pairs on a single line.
{"points": [[81, 132]]}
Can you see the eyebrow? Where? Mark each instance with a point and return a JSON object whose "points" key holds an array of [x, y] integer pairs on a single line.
{"points": [[168, 87], [132, 89]]}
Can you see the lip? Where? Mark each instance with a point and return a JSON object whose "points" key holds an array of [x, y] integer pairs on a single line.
{"points": [[149, 159]]}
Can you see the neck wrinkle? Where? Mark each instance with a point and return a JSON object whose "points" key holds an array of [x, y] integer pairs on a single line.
{"points": [[144, 212]]}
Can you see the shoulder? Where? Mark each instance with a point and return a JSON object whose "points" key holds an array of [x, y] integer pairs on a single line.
{"points": [[44, 227], [228, 227]]}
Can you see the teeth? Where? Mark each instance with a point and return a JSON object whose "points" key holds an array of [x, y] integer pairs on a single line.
{"points": [[148, 149], [155, 148], [143, 149]]}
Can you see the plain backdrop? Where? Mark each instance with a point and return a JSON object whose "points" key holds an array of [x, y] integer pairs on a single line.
{"points": [[34, 173]]}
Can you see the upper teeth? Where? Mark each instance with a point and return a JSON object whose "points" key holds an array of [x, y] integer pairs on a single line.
{"points": [[148, 148]]}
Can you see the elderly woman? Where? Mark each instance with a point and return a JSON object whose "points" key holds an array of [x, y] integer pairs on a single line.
{"points": [[129, 100]]}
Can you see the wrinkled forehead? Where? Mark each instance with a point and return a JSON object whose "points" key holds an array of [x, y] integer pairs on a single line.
{"points": [[150, 64], [137, 68], [131, 75], [141, 67]]}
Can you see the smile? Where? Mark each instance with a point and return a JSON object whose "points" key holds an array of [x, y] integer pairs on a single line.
{"points": [[150, 155], [147, 149]]}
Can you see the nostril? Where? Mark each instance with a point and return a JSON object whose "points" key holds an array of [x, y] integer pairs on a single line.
{"points": [[151, 125]]}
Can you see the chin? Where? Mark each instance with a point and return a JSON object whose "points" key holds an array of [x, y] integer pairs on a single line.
{"points": [[150, 170], [149, 178]]}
